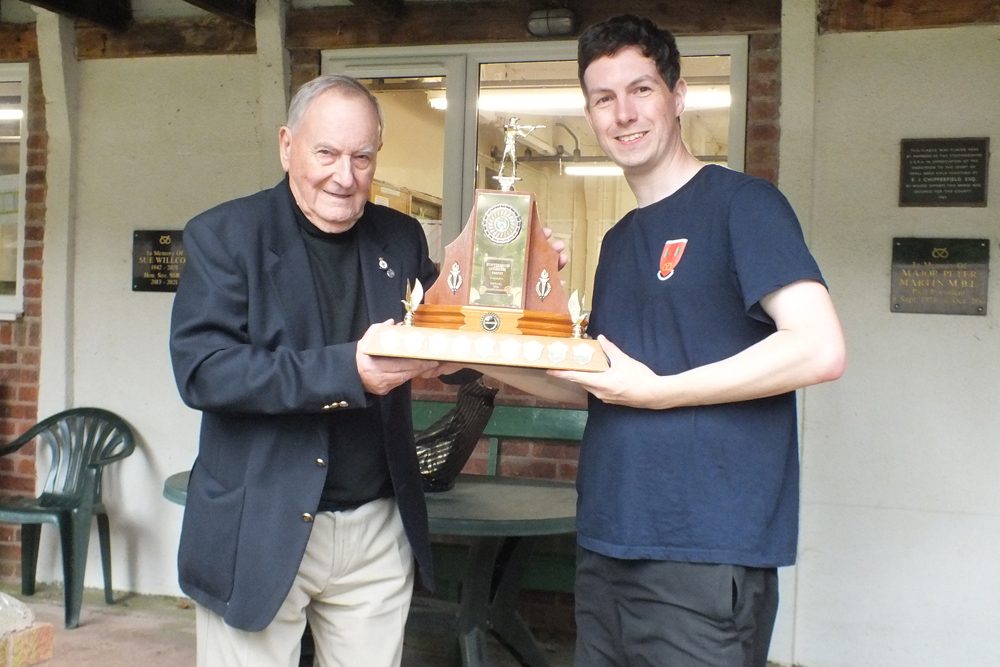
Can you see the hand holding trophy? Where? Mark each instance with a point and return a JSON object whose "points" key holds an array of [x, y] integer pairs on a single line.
{"points": [[498, 300]]}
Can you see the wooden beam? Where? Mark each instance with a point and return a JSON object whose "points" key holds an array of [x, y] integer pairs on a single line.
{"points": [[505, 20], [174, 37], [240, 11], [390, 9], [18, 41], [111, 14], [881, 15]]}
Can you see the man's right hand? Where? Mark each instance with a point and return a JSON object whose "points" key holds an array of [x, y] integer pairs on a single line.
{"points": [[380, 375]]}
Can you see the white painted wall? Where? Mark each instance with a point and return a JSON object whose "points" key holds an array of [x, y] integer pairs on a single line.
{"points": [[159, 140], [899, 555]]}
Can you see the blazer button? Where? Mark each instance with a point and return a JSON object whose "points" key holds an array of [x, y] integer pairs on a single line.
{"points": [[343, 404], [307, 517], [321, 463]]}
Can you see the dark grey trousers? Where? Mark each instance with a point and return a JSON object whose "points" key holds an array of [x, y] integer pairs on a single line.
{"points": [[645, 613]]}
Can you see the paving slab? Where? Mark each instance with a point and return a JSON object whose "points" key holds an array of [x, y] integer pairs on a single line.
{"points": [[159, 631]]}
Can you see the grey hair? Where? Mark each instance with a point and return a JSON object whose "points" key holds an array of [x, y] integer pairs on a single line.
{"points": [[343, 84]]}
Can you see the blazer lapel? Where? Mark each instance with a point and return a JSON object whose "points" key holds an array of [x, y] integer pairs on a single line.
{"points": [[287, 264]]}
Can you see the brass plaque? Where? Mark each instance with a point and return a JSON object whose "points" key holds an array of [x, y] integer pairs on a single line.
{"points": [[940, 276], [501, 245]]}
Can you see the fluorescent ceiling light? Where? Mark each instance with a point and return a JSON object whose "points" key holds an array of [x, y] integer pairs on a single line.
{"points": [[531, 99], [592, 170], [554, 101], [437, 99], [11, 114], [707, 97], [569, 101]]}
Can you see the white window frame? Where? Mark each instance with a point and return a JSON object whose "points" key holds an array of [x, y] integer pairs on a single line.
{"points": [[12, 305], [461, 64]]}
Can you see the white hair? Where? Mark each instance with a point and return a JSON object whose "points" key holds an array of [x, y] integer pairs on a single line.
{"points": [[345, 85]]}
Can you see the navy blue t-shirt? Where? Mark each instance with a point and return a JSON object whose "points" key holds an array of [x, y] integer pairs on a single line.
{"points": [[713, 484]]}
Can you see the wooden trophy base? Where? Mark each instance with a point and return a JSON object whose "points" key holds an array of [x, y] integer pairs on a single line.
{"points": [[481, 347]]}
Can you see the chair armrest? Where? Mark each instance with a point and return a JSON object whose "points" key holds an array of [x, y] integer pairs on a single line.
{"points": [[20, 442]]}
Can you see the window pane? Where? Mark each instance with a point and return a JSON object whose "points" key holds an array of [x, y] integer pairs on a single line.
{"points": [[11, 129], [410, 169], [705, 122], [580, 192], [578, 208]]}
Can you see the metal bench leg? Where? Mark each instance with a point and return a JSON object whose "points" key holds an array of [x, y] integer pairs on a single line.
{"points": [[474, 611], [505, 620]]}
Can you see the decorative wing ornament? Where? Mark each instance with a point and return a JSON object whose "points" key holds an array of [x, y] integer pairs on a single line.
{"points": [[576, 313], [417, 296], [574, 306], [413, 298]]}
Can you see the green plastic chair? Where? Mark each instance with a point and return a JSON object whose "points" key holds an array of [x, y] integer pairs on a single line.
{"points": [[81, 442]]}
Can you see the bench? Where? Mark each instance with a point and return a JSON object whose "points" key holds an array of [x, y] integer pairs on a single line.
{"points": [[552, 567]]}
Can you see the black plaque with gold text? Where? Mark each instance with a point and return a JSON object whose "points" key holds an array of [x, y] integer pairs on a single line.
{"points": [[157, 260], [940, 276], [943, 172]]}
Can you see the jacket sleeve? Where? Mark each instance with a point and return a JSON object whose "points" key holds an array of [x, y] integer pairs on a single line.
{"points": [[223, 364]]}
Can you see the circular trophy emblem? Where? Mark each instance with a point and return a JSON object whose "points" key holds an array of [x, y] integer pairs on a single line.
{"points": [[501, 223], [490, 322]]}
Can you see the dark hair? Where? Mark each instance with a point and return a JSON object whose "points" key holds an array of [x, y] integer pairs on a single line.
{"points": [[619, 32]]}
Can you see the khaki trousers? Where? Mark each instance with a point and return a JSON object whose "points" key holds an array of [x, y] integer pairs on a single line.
{"points": [[354, 586]]}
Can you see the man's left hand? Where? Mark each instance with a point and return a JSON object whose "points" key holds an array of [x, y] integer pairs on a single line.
{"points": [[558, 246]]}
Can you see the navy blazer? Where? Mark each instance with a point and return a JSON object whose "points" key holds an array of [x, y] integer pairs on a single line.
{"points": [[248, 351]]}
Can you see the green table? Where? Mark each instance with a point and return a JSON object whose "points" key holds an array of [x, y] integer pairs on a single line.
{"points": [[505, 517]]}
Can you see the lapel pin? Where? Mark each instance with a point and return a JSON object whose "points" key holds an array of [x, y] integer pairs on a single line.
{"points": [[383, 265]]}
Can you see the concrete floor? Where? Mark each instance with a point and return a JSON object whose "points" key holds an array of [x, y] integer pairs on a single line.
{"points": [[153, 631]]}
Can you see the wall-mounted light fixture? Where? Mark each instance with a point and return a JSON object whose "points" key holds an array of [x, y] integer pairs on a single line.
{"points": [[551, 22]]}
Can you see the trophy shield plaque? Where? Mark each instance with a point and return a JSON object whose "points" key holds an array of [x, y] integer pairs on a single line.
{"points": [[498, 299]]}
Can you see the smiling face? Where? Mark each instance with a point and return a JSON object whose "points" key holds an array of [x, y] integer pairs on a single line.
{"points": [[634, 114], [330, 159]]}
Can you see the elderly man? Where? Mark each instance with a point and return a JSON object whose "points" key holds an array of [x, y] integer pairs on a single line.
{"points": [[305, 501]]}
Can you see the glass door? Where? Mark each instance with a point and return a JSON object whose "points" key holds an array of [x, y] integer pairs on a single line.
{"points": [[478, 88]]}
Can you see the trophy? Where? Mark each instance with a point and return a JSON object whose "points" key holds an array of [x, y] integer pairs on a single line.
{"points": [[498, 299]]}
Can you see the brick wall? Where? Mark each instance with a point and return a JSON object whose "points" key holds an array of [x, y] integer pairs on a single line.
{"points": [[763, 102], [20, 340]]}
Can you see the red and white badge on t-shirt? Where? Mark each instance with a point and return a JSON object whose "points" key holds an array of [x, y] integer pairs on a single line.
{"points": [[671, 257]]}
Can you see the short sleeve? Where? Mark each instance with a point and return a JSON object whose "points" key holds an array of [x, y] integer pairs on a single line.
{"points": [[768, 249]]}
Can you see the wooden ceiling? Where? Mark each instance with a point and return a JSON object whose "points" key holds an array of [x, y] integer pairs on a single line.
{"points": [[402, 15], [110, 26], [117, 14]]}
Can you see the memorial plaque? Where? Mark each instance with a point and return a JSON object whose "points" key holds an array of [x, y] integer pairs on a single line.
{"points": [[499, 299], [940, 276], [157, 260], [943, 172]]}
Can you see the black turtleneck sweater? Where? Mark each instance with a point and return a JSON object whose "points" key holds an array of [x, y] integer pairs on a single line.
{"points": [[357, 470]]}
